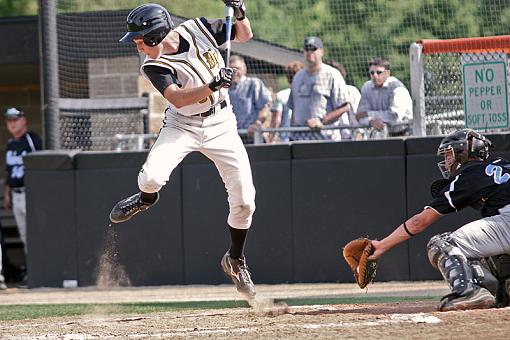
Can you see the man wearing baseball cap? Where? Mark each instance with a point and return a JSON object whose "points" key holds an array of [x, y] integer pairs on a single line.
{"points": [[21, 143], [318, 95]]}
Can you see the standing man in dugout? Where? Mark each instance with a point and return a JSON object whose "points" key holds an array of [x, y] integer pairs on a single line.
{"points": [[473, 259], [21, 143], [185, 65]]}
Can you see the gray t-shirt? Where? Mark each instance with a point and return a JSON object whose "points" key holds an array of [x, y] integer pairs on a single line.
{"points": [[314, 95]]}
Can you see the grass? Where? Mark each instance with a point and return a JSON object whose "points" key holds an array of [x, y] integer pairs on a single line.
{"points": [[22, 312]]}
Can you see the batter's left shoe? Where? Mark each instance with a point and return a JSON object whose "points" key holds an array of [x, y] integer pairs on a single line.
{"points": [[128, 207], [237, 270], [477, 298]]}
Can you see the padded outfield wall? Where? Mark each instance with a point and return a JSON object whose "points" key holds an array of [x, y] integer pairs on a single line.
{"points": [[311, 199]]}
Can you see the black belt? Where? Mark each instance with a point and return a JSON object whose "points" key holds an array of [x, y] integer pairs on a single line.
{"points": [[18, 190], [212, 110]]}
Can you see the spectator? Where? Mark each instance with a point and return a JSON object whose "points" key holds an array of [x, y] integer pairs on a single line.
{"points": [[317, 94], [353, 97], [248, 97], [22, 143], [385, 101], [280, 112]]}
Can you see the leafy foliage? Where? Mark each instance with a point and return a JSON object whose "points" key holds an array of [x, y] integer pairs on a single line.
{"points": [[353, 31]]}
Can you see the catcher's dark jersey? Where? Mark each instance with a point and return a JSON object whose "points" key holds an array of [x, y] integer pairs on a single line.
{"points": [[16, 149], [480, 184]]}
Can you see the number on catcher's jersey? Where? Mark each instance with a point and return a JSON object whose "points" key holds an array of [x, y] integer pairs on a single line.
{"points": [[497, 172]]}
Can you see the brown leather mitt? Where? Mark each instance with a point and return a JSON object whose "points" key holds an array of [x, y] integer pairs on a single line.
{"points": [[356, 255]]}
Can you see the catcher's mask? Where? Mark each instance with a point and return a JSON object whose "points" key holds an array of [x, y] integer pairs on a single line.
{"points": [[459, 147], [150, 21]]}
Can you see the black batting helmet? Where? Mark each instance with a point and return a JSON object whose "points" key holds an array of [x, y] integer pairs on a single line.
{"points": [[464, 145], [151, 21]]}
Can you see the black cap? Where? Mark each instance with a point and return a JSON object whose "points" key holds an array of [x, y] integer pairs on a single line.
{"points": [[14, 113], [313, 41]]}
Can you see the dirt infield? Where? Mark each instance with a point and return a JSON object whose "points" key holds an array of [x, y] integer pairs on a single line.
{"points": [[265, 320]]}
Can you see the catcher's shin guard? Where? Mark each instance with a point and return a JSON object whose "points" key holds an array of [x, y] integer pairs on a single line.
{"points": [[465, 279]]}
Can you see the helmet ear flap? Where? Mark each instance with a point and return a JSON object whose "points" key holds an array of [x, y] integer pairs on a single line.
{"points": [[478, 145]]}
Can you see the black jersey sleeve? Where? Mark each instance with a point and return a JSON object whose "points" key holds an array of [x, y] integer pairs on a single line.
{"points": [[161, 77], [469, 186], [218, 29], [37, 141]]}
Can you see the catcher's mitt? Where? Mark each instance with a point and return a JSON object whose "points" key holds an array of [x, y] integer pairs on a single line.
{"points": [[438, 185], [356, 255]]}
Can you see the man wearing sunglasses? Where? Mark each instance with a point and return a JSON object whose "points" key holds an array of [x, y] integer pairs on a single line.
{"points": [[385, 101], [317, 95]]}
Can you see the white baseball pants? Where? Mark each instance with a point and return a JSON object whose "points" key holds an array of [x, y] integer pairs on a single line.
{"points": [[19, 210], [485, 237], [216, 137]]}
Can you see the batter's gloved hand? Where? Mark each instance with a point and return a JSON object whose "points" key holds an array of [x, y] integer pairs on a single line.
{"points": [[222, 80], [238, 6], [356, 255]]}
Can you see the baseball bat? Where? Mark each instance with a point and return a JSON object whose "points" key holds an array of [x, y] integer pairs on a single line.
{"points": [[229, 13]]}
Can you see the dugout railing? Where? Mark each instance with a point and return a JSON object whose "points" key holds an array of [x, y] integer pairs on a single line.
{"points": [[281, 135]]}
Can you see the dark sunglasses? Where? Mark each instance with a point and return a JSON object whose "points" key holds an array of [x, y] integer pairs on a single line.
{"points": [[310, 48], [374, 72]]}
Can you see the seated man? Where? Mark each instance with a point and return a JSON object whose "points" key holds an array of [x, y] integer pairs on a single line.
{"points": [[385, 102], [470, 179]]}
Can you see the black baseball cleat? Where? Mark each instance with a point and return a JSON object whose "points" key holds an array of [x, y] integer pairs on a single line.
{"points": [[237, 270], [128, 207], [478, 298]]}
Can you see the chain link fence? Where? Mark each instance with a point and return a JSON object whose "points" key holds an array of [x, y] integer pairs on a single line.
{"points": [[84, 60], [461, 83]]}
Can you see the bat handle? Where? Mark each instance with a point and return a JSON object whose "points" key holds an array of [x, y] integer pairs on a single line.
{"points": [[229, 13]]}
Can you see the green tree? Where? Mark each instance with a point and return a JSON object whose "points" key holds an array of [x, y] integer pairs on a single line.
{"points": [[10, 8]]}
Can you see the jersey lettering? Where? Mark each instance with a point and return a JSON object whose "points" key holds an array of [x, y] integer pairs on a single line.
{"points": [[497, 172], [211, 58]]}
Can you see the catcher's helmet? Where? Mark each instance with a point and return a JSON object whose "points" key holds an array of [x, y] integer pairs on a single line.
{"points": [[463, 145], [151, 21]]}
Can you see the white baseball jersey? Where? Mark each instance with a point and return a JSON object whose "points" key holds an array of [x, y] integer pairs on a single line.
{"points": [[193, 68], [184, 130]]}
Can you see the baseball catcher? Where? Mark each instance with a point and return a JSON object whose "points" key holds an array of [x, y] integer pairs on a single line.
{"points": [[472, 258]]}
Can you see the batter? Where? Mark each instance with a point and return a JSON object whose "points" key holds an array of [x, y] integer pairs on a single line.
{"points": [[185, 65]]}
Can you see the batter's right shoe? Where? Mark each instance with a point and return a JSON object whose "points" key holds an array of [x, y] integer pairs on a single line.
{"points": [[237, 270], [478, 298], [128, 207]]}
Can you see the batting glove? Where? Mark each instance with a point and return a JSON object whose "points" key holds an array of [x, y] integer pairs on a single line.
{"points": [[238, 6], [222, 80]]}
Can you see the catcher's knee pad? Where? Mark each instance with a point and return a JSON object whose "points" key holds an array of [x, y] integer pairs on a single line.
{"points": [[240, 215], [440, 246]]}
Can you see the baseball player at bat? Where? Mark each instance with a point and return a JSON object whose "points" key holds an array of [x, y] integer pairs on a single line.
{"points": [[184, 64], [468, 257]]}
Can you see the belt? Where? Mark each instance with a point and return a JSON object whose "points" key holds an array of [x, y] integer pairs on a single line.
{"points": [[18, 190], [212, 110]]}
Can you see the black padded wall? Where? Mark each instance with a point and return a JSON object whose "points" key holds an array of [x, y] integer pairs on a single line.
{"points": [[341, 191]]}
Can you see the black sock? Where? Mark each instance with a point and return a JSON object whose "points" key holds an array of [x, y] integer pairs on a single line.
{"points": [[148, 197], [237, 237]]}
